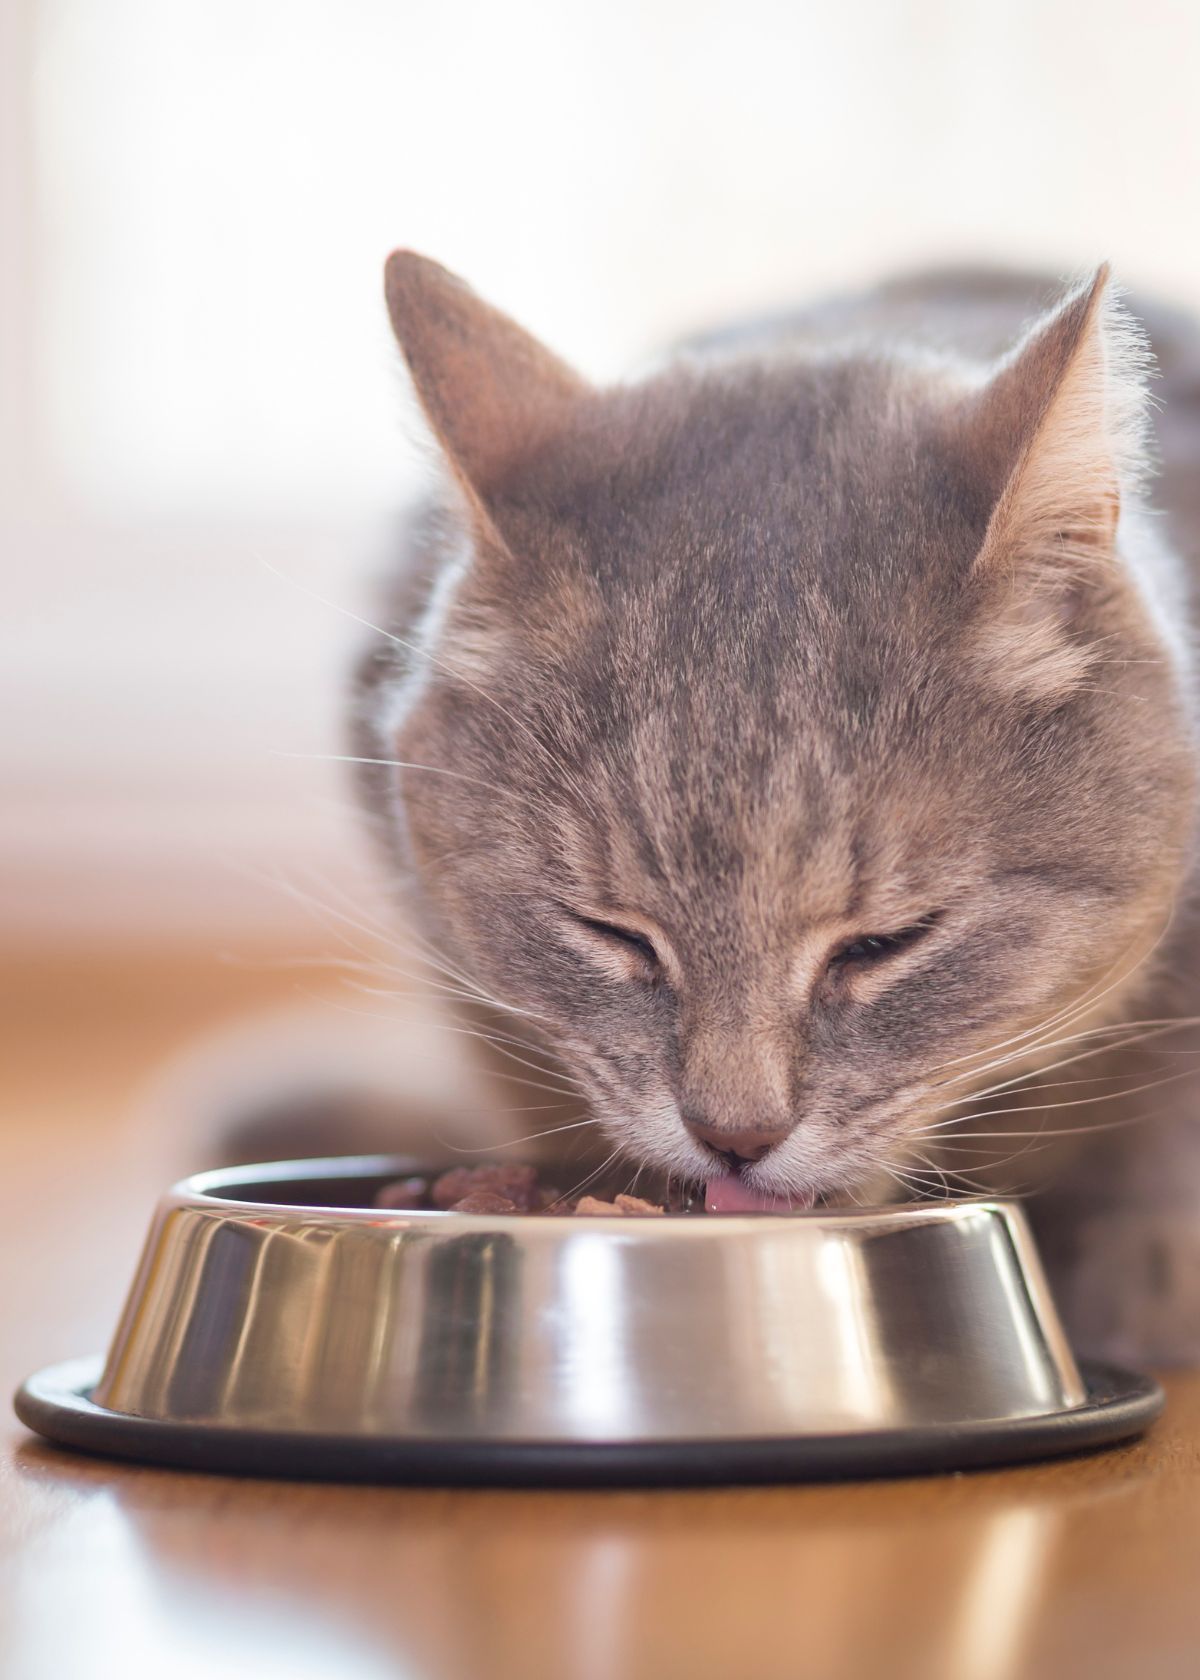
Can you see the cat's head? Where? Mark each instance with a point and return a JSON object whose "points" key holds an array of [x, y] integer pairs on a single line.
{"points": [[797, 728]]}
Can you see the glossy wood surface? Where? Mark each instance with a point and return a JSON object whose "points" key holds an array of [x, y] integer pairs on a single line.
{"points": [[1090, 1566]]}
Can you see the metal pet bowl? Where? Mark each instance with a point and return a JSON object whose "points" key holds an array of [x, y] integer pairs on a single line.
{"points": [[278, 1324]]}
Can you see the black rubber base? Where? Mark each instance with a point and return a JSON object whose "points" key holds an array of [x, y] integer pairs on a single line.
{"points": [[57, 1404]]}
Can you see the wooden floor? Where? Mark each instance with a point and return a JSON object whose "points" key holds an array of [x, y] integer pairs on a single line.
{"points": [[1089, 1567]]}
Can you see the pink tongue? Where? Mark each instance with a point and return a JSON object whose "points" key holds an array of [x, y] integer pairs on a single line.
{"points": [[733, 1195]]}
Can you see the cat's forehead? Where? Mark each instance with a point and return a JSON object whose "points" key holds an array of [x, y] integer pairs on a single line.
{"points": [[840, 478], [803, 427], [754, 548], [729, 582]]}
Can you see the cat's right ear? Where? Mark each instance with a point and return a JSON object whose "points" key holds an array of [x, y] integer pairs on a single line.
{"points": [[493, 395]]}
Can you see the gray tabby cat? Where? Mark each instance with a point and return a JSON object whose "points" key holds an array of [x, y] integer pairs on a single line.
{"points": [[808, 758]]}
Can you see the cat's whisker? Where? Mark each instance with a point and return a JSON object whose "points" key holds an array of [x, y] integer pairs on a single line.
{"points": [[488, 1036], [987, 1186], [987, 1155], [414, 946], [1040, 1136], [1155, 1029], [559, 766], [589, 1178], [392, 764], [574, 1090], [470, 989], [323, 909], [503, 1045], [436, 961], [1045, 1047], [426, 982], [1074, 1102], [356, 974], [976, 1186], [564, 1093], [904, 1179], [1085, 1002], [333, 964], [366, 964], [467, 993], [290, 889], [1065, 1131], [934, 1168], [514, 1143], [441, 989]]}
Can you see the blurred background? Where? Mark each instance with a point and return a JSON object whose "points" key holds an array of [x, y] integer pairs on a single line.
{"points": [[203, 423]]}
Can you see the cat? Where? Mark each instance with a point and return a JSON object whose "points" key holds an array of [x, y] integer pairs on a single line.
{"points": [[798, 745]]}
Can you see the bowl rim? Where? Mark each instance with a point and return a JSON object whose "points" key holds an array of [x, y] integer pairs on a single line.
{"points": [[56, 1403], [202, 1190]]}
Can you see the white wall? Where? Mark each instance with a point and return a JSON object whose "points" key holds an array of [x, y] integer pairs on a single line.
{"points": [[197, 198]]}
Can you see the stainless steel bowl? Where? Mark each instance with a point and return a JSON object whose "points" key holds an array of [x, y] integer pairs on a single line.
{"points": [[273, 1306]]}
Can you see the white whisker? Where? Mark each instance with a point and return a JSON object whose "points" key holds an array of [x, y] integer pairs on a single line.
{"points": [[414, 648], [1079, 1007], [1039, 1108], [589, 1178], [1155, 1029], [391, 764], [513, 1143]]}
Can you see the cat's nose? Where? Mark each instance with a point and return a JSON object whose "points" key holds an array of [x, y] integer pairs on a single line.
{"points": [[738, 1145]]}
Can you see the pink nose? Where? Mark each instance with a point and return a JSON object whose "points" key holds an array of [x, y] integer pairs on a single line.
{"points": [[738, 1144]]}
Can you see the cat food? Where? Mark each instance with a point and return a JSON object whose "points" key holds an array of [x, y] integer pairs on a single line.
{"points": [[509, 1180], [505, 1188], [634, 1205], [485, 1201], [508, 1187]]}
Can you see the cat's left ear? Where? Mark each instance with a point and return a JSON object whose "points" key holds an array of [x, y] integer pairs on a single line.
{"points": [[1061, 434], [491, 392], [1064, 416]]}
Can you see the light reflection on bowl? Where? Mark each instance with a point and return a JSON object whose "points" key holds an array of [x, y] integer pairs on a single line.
{"points": [[264, 1302]]}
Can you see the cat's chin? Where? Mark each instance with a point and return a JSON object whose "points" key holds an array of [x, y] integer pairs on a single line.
{"points": [[734, 1195]]}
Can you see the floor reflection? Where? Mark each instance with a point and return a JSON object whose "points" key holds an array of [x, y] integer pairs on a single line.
{"points": [[967, 1578], [93, 1592]]}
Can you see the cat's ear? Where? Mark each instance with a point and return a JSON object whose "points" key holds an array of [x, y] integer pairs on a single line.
{"points": [[492, 394], [1064, 416], [1061, 430]]}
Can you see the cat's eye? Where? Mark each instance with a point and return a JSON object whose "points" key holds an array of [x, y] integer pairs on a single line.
{"points": [[871, 948], [628, 937]]}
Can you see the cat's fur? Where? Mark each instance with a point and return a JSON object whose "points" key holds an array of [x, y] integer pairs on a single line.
{"points": [[827, 626]]}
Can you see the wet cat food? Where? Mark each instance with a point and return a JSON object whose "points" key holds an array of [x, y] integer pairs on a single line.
{"points": [[504, 1188]]}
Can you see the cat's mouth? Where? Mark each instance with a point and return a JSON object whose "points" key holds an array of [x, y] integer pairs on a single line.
{"points": [[734, 1195]]}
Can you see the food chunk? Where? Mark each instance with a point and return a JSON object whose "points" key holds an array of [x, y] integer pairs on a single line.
{"points": [[638, 1206], [484, 1201], [519, 1184], [633, 1206], [504, 1187], [404, 1193]]}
